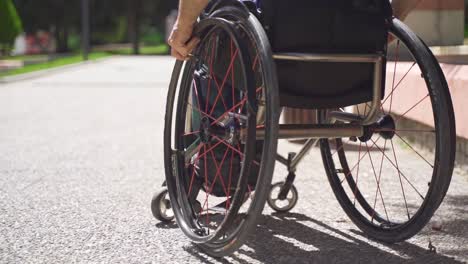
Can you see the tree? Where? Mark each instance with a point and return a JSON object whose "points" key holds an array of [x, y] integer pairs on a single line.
{"points": [[111, 21], [57, 16], [11, 24]]}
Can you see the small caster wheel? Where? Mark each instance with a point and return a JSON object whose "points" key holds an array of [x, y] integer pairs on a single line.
{"points": [[285, 205], [161, 206]]}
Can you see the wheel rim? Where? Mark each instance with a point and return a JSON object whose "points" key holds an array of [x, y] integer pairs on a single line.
{"points": [[376, 166], [282, 205], [165, 207], [238, 118]]}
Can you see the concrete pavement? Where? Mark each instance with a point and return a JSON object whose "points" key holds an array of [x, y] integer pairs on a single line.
{"points": [[81, 155]]}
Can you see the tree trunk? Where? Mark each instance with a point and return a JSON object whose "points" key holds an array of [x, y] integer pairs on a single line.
{"points": [[133, 24]]}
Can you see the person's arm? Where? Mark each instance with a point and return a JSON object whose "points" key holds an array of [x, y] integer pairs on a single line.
{"points": [[181, 40], [401, 8]]}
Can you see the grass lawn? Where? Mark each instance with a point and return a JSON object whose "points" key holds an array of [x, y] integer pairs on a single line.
{"points": [[144, 50], [466, 34], [148, 50], [23, 57], [55, 63]]}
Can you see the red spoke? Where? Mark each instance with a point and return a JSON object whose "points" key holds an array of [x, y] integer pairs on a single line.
{"points": [[192, 178], [204, 153], [228, 204], [206, 184], [218, 171], [419, 102], [375, 177], [398, 84], [363, 156], [200, 111], [239, 104], [401, 182], [357, 174], [255, 62], [209, 80], [230, 68], [394, 75], [402, 174], [236, 150], [432, 166], [378, 190], [233, 82], [229, 111], [219, 92]]}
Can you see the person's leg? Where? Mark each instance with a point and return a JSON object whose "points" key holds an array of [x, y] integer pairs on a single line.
{"points": [[401, 8]]}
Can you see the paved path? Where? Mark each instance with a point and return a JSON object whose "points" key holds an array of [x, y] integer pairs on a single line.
{"points": [[81, 155]]}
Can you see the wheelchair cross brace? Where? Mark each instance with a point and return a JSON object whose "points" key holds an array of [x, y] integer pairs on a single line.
{"points": [[356, 126]]}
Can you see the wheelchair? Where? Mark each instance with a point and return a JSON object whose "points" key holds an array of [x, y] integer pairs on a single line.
{"points": [[346, 60]]}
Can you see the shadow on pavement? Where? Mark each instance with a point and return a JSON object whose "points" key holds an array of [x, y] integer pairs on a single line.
{"points": [[170, 225], [289, 238]]}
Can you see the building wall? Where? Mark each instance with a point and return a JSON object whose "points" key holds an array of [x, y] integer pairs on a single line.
{"points": [[439, 22]]}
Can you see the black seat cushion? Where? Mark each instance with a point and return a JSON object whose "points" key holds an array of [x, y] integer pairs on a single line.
{"points": [[326, 26]]}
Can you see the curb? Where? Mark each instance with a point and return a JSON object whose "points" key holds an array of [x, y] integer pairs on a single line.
{"points": [[40, 73]]}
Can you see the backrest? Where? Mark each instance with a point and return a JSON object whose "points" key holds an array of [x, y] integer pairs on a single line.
{"points": [[326, 26]]}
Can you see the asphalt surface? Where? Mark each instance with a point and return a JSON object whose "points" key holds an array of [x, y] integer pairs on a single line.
{"points": [[81, 155]]}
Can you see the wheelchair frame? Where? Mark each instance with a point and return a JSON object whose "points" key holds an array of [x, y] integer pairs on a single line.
{"points": [[343, 125]]}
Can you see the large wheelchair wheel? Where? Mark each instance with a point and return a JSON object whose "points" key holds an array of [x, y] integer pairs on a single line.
{"points": [[388, 185], [218, 175]]}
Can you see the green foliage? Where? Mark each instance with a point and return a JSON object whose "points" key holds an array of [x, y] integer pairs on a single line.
{"points": [[152, 36], [74, 42], [114, 32], [54, 63], [109, 19], [161, 49], [10, 23]]}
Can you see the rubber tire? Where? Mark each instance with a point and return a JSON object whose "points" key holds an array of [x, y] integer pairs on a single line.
{"points": [[290, 206], [270, 144], [445, 151], [155, 206], [215, 248]]}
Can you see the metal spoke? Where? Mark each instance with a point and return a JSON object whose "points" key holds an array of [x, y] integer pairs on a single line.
{"points": [[204, 153], [193, 149], [432, 166], [363, 156], [234, 149], [420, 195], [224, 80], [218, 170], [394, 75], [398, 84], [414, 106], [378, 190], [357, 174], [401, 182]]}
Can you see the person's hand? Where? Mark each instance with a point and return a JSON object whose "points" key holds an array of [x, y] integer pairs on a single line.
{"points": [[181, 41]]}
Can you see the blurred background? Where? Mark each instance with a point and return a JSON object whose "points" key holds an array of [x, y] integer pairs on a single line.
{"points": [[81, 145], [35, 32], [38, 35]]}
